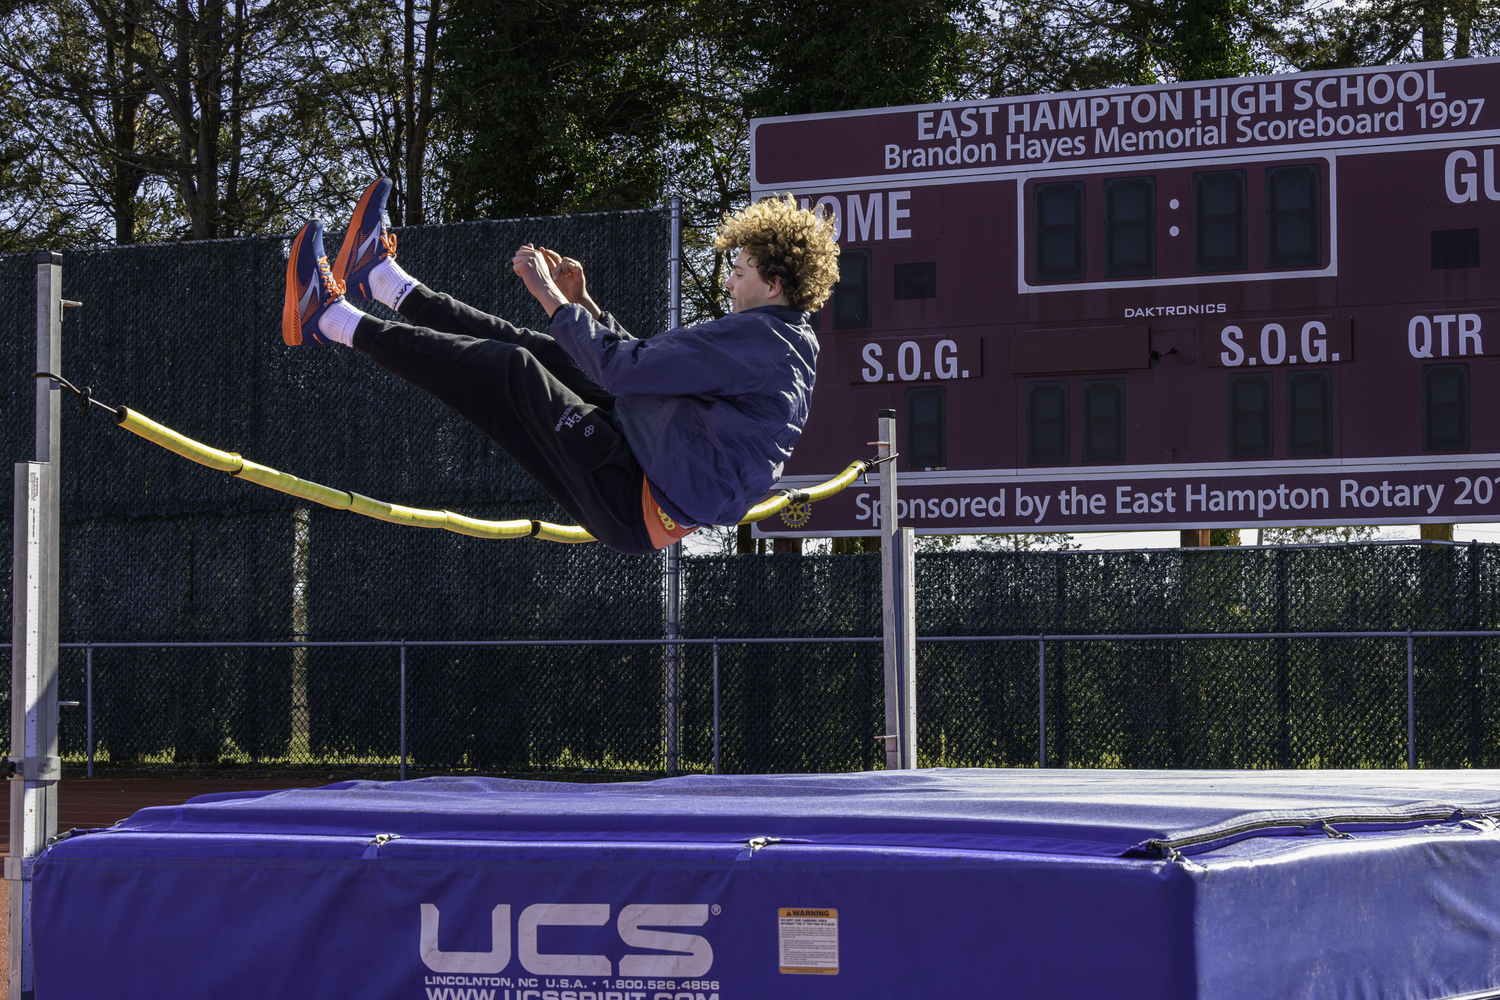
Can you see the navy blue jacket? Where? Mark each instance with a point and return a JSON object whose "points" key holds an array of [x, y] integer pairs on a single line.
{"points": [[710, 411]]}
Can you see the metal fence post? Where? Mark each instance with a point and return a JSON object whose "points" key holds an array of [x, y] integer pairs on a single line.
{"points": [[403, 709], [1283, 666], [1411, 701], [88, 710], [716, 706], [1041, 701], [672, 686], [673, 682]]}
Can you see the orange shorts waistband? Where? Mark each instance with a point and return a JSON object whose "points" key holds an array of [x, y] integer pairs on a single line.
{"points": [[663, 530]]}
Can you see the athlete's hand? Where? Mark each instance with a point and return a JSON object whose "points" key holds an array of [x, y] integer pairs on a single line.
{"points": [[533, 268], [567, 274]]}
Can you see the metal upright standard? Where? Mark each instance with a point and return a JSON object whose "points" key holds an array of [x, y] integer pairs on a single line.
{"points": [[34, 762], [672, 688], [904, 552], [898, 586]]}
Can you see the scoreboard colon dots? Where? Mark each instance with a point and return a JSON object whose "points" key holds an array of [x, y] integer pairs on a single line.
{"points": [[1207, 209]]}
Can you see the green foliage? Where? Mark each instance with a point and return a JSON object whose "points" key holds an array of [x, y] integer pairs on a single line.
{"points": [[1029, 541], [32, 219], [821, 55], [1088, 44], [1374, 32], [555, 107], [156, 121], [130, 120], [1315, 536], [1046, 47], [1196, 39]]}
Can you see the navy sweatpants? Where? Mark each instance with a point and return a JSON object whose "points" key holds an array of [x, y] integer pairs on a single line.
{"points": [[523, 391]]}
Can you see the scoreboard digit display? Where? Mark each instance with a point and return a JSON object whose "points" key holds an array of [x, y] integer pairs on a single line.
{"points": [[1237, 303]]}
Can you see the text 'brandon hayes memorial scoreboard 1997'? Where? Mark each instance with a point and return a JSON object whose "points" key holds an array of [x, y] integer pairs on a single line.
{"points": [[1251, 302]]}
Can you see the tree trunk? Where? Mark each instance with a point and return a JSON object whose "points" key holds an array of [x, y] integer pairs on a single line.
{"points": [[1433, 20], [125, 109], [406, 115], [233, 212], [182, 79], [416, 143], [210, 66], [1463, 21]]}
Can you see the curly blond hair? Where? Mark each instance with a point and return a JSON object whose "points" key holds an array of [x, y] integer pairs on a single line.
{"points": [[784, 241]]}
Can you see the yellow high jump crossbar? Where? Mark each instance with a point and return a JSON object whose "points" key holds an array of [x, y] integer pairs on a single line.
{"points": [[243, 468]]}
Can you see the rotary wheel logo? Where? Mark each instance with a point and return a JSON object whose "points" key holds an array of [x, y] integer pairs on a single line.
{"points": [[796, 515]]}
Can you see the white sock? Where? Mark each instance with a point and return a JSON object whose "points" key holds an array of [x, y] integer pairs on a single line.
{"points": [[338, 322], [390, 284]]}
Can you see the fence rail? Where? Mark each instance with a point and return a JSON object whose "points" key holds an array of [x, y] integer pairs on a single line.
{"points": [[965, 716]]}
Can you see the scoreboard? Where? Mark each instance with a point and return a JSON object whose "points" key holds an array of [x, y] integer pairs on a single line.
{"points": [[1237, 303]]}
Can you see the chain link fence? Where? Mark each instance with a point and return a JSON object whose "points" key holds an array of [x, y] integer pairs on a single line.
{"points": [[1171, 696], [758, 694], [158, 550]]}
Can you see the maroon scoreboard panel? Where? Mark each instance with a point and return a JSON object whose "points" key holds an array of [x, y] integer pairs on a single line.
{"points": [[1235, 303]]}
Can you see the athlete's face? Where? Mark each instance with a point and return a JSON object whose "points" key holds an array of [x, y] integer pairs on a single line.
{"points": [[747, 289]]}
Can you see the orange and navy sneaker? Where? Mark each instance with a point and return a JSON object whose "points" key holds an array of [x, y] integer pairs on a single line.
{"points": [[368, 240], [310, 287]]}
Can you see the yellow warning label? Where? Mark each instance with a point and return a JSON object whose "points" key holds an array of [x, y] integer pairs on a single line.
{"points": [[809, 940]]}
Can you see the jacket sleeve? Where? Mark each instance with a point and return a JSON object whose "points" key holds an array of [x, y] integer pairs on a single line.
{"points": [[714, 358]]}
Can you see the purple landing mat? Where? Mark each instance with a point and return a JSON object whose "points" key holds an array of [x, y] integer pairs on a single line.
{"points": [[922, 884]]}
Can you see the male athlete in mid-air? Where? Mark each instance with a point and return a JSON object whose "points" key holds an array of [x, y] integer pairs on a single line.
{"points": [[641, 441]]}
